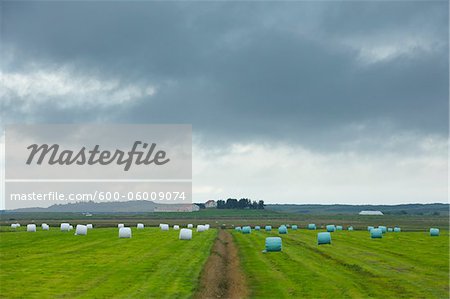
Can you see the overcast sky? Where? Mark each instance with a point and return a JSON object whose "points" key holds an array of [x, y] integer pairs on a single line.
{"points": [[290, 102]]}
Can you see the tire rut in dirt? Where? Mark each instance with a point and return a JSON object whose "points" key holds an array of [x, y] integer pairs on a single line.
{"points": [[222, 276]]}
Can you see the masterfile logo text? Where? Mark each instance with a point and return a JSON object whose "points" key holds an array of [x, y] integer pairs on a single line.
{"points": [[91, 157], [115, 162]]}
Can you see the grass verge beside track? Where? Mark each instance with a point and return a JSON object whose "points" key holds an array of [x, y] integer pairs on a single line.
{"points": [[54, 264], [401, 265]]}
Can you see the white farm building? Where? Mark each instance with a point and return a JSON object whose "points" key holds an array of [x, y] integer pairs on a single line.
{"points": [[372, 213], [176, 208]]}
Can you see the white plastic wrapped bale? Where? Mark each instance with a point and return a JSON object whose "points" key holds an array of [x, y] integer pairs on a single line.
{"points": [[70, 227], [45, 226], [176, 227], [13, 225], [89, 226], [206, 226], [164, 227], [31, 228], [140, 226], [125, 232], [17, 224], [81, 230], [190, 225], [185, 234], [120, 225], [200, 228], [65, 227]]}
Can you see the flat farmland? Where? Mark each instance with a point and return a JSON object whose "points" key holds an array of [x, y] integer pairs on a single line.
{"points": [[227, 218], [228, 264], [55, 264], [400, 265]]}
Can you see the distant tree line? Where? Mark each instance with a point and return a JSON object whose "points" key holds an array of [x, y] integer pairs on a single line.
{"points": [[243, 203]]}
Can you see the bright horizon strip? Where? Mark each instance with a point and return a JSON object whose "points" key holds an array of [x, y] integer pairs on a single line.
{"points": [[2, 170]]}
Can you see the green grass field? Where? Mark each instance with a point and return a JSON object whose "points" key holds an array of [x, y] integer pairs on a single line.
{"points": [[155, 264], [53, 264], [401, 265]]}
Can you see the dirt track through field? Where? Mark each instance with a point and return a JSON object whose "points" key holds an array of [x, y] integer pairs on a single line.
{"points": [[222, 276]]}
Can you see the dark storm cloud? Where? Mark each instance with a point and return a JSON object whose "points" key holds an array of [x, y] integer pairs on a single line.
{"points": [[296, 71]]}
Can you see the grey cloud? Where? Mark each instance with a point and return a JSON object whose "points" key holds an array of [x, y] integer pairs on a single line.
{"points": [[242, 71]]}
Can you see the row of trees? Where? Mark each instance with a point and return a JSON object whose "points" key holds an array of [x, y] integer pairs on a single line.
{"points": [[243, 203]]}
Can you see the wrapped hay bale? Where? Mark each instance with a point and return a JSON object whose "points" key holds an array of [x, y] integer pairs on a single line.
{"points": [[200, 228], [369, 228], [311, 226], [140, 226], [17, 224], [238, 228], [323, 238], [45, 226], [120, 225], [81, 230], [376, 233], [331, 228], [397, 229], [350, 228], [434, 232], [246, 230], [89, 226], [273, 244], [268, 228], [390, 230], [14, 225], [31, 228], [206, 226], [70, 227], [339, 227], [257, 227], [164, 227], [65, 227], [294, 227], [282, 230], [383, 229], [176, 227], [185, 234], [190, 225], [125, 232]]}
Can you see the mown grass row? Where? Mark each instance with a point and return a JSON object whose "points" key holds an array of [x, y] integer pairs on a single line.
{"points": [[53, 264], [401, 265]]}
